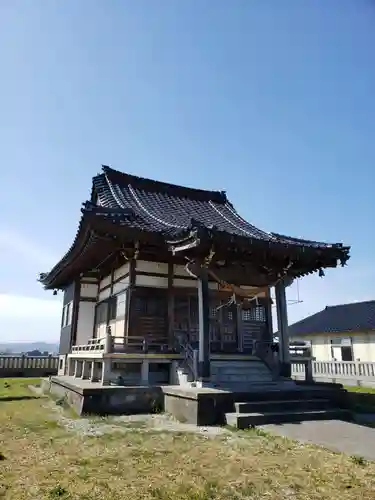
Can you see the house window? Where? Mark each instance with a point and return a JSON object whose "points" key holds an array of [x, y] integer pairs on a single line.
{"points": [[346, 353], [341, 349], [67, 315], [112, 308], [101, 313], [121, 305]]}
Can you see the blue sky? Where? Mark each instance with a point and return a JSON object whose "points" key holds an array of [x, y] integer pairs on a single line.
{"points": [[271, 101]]}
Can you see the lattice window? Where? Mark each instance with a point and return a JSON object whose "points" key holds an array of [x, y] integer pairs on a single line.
{"points": [[213, 312], [257, 313], [227, 315]]}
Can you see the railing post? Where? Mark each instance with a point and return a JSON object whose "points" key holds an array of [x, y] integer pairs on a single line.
{"points": [[309, 371], [145, 372], [108, 341], [93, 372], [106, 371], [85, 369]]}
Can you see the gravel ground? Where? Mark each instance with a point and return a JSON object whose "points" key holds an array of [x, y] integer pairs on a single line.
{"points": [[97, 426]]}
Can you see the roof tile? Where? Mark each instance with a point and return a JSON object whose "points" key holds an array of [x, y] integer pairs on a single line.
{"points": [[357, 316]]}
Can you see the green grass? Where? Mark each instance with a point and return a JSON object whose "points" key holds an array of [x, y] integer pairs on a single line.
{"points": [[41, 459], [356, 388], [16, 387]]}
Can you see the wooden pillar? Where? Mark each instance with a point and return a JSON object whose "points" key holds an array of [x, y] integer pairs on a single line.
{"points": [[204, 327], [268, 307], [170, 318], [239, 327], [282, 323], [129, 292]]}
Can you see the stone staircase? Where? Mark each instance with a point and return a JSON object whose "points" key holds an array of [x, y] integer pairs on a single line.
{"points": [[284, 405], [238, 375], [234, 375]]}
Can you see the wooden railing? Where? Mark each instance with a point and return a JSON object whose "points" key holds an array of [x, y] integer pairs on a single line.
{"points": [[131, 344], [349, 372], [28, 366]]}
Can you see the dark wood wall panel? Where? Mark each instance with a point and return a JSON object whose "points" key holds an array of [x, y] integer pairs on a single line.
{"points": [[149, 314]]}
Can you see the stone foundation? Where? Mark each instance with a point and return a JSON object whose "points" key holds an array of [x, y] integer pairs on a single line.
{"points": [[92, 398]]}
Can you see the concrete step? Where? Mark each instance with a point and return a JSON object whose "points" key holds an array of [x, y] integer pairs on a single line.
{"points": [[244, 377], [224, 373], [275, 406], [234, 367], [245, 420], [276, 392], [232, 373], [237, 362]]}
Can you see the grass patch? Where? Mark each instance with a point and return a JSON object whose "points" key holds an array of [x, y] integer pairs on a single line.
{"points": [[361, 399], [356, 388], [17, 387], [45, 461]]}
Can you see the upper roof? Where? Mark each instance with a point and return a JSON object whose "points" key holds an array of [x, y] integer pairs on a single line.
{"points": [[131, 208], [168, 208], [354, 317]]}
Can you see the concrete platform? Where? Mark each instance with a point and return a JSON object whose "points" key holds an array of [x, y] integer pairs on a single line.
{"points": [[87, 397], [199, 406]]}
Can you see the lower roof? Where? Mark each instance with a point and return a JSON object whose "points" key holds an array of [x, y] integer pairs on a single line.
{"points": [[343, 318]]}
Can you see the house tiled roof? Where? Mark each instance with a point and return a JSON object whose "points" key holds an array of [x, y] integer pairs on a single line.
{"points": [[357, 316], [135, 208]]}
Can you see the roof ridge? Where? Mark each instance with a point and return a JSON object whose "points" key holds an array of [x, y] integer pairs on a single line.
{"points": [[159, 186], [349, 304]]}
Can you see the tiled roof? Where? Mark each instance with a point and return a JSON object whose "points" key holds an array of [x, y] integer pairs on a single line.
{"points": [[357, 316], [171, 214], [171, 209]]}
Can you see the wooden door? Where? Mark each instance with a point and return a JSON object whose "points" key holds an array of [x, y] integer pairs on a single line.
{"points": [[253, 326]]}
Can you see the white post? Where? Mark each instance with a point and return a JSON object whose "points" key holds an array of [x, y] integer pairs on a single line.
{"points": [[106, 371], [145, 371], [76, 368], [69, 367], [108, 341], [93, 376], [85, 369]]}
